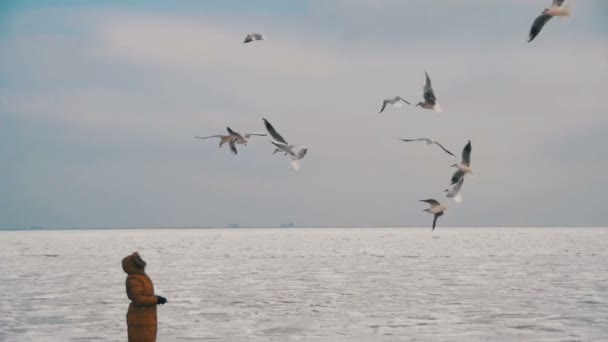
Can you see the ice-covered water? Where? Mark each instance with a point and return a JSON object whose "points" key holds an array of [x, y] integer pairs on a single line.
{"points": [[455, 284]]}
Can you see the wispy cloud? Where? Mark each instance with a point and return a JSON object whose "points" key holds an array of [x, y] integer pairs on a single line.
{"points": [[120, 95]]}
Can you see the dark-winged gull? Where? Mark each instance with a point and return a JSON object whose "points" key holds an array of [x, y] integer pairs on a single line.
{"points": [[296, 152], [253, 37], [396, 101], [233, 138], [430, 101], [465, 165], [430, 141], [556, 10], [436, 209], [454, 192]]}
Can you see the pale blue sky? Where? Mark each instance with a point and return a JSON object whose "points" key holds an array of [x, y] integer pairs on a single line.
{"points": [[100, 101]]}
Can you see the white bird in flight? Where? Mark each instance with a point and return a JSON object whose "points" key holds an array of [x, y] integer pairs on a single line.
{"points": [[430, 141], [296, 152], [454, 192], [253, 37], [436, 209], [397, 101], [233, 138], [430, 101], [465, 165], [556, 10]]}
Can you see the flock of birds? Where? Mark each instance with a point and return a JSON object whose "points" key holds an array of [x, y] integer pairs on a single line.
{"points": [[297, 153]]}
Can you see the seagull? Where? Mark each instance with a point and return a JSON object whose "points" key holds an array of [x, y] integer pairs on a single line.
{"points": [[296, 152], [430, 102], [455, 191], [436, 209], [556, 10], [430, 141], [396, 101], [465, 165], [253, 37], [233, 138]]}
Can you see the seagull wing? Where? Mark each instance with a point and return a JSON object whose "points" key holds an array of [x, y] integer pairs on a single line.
{"points": [[248, 39], [417, 139], [211, 136], [429, 94], [283, 147], [399, 98], [257, 36], [273, 133], [432, 202], [233, 147], [233, 133], [247, 135], [466, 154], [435, 217], [456, 189], [445, 149], [557, 3], [457, 176], [538, 24], [384, 103]]}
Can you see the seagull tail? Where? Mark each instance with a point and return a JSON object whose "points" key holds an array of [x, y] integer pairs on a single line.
{"points": [[295, 164], [567, 11], [458, 198], [437, 108]]}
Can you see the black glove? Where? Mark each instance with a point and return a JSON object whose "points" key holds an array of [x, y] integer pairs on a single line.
{"points": [[161, 300]]}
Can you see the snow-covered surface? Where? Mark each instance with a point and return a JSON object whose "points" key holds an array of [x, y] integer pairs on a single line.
{"points": [[456, 284]]}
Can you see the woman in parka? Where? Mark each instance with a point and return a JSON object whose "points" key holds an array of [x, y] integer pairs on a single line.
{"points": [[141, 317]]}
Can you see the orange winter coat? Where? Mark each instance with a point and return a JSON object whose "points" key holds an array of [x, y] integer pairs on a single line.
{"points": [[141, 317]]}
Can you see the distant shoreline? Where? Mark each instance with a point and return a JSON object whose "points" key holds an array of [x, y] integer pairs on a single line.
{"points": [[276, 227]]}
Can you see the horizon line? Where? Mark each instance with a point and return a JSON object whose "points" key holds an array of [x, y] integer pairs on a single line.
{"points": [[40, 228]]}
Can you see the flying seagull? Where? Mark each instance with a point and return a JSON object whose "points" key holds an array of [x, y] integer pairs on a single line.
{"points": [[296, 152], [436, 209], [429, 142], [430, 101], [465, 165], [253, 37], [454, 192], [233, 138], [556, 10], [397, 101]]}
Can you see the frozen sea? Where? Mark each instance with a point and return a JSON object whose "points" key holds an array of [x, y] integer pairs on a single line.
{"points": [[456, 284]]}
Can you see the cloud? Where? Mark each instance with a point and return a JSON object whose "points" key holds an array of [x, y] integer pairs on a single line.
{"points": [[120, 102]]}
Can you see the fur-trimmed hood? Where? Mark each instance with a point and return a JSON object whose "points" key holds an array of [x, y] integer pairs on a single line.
{"points": [[134, 264]]}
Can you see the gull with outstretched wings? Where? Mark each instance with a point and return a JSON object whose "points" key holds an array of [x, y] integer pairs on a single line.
{"points": [[396, 101], [430, 101], [454, 192], [252, 37], [295, 152], [430, 141], [436, 209], [464, 166], [233, 138]]}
